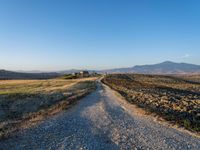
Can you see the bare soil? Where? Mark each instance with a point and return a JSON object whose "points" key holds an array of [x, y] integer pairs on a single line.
{"points": [[175, 99]]}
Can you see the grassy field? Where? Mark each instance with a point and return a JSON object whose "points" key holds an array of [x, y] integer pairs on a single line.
{"points": [[176, 99], [25, 102]]}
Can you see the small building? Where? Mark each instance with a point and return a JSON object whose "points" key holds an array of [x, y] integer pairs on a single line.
{"points": [[84, 74]]}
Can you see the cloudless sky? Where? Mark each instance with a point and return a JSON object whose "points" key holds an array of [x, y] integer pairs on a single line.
{"points": [[97, 34]]}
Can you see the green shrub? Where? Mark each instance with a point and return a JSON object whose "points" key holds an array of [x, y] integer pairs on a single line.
{"points": [[186, 123]]}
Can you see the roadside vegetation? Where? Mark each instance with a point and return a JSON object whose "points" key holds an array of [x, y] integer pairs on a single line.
{"points": [[79, 76], [176, 99], [23, 103]]}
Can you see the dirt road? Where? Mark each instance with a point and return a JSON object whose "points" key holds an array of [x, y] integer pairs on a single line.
{"points": [[101, 120]]}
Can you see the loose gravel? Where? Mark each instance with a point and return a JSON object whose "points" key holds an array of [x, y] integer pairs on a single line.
{"points": [[100, 121]]}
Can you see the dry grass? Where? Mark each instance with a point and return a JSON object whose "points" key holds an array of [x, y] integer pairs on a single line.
{"points": [[32, 86], [24, 102]]}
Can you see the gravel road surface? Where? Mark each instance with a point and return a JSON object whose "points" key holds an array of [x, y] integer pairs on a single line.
{"points": [[102, 120]]}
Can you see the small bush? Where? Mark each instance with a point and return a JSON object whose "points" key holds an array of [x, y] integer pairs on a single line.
{"points": [[186, 123]]}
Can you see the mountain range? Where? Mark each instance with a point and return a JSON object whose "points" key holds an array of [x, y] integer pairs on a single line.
{"points": [[166, 67]]}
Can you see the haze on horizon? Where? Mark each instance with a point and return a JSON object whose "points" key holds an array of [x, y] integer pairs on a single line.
{"points": [[52, 35]]}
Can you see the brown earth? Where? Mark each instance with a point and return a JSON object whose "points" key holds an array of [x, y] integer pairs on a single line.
{"points": [[176, 99]]}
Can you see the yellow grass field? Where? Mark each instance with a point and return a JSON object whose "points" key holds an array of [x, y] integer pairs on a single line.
{"points": [[24, 102]]}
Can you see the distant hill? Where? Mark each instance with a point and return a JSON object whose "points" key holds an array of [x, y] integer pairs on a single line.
{"points": [[4, 74], [74, 71], [166, 67]]}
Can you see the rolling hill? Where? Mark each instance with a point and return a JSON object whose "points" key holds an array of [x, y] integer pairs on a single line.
{"points": [[166, 67], [4, 74]]}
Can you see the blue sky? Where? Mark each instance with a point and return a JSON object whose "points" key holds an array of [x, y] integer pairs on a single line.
{"points": [[97, 34]]}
